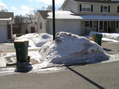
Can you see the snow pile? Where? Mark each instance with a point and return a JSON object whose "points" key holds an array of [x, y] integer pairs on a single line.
{"points": [[71, 49], [114, 36], [2, 61], [107, 36], [35, 39]]}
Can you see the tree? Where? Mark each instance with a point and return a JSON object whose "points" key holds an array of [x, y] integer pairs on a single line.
{"points": [[49, 7], [30, 18], [18, 22]]}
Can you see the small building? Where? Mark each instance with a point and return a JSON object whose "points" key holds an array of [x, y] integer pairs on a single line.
{"points": [[6, 21], [32, 28]]}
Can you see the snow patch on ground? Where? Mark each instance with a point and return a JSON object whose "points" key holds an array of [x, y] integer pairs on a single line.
{"points": [[68, 49], [109, 37], [10, 58], [35, 39], [2, 61]]}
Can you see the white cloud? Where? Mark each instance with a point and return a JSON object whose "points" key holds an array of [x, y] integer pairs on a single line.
{"points": [[3, 6], [13, 8], [50, 1], [26, 10]]}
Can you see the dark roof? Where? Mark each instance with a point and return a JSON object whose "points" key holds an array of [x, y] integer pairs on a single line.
{"points": [[44, 14], [6, 14], [99, 1]]}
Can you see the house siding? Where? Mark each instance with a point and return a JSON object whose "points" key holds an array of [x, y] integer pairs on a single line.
{"points": [[43, 21], [72, 26], [75, 7], [71, 7], [3, 33]]}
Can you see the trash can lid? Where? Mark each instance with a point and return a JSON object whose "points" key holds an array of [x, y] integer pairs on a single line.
{"points": [[20, 41]]}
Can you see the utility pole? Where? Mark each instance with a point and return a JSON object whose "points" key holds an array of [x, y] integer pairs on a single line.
{"points": [[53, 11]]}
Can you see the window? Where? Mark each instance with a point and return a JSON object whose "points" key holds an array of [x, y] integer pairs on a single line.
{"points": [[105, 9], [118, 9], [41, 25], [88, 23], [86, 7]]}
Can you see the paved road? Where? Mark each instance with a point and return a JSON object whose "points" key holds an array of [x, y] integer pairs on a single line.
{"points": [[94, 76], [111, 47]]}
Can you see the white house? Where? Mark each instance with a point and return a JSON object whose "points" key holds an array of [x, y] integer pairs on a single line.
{"points": [[82, 16], [6, 20]]}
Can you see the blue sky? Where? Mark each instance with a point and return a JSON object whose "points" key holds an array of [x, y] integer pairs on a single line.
{"points": [[27, 6]]}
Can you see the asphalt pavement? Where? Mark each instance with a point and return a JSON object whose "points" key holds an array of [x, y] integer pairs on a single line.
{"points": [[93, 76]]}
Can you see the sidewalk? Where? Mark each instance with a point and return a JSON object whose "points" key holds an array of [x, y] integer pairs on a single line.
{"points": [[94, 76]]}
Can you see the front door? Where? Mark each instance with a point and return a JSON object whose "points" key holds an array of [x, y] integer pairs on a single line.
{"points": [[103, 26], [32, 29]]}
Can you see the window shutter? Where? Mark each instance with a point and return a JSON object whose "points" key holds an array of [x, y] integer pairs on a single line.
{"points": [[80, 7], [91, 8], [108, 8], [90, 23], [101, 8], [117, 24], [118, 9]]}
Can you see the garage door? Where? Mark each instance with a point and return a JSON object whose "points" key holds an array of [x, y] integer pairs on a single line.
{"points": [[3, 33]]}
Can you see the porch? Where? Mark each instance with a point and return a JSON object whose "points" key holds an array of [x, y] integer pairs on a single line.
{"points": [[108, 24]]}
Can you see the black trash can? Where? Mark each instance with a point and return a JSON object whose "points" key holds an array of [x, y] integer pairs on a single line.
{"points": [[21, 51], [98, 38]]}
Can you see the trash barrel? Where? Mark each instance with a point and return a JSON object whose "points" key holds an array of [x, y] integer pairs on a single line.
{"points": [[21, 51], [98, 38], [92, 38]]}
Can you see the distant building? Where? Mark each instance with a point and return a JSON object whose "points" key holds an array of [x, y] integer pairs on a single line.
{"points": [[6, 21]]}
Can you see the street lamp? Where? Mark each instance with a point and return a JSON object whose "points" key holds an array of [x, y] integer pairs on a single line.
{"points": [[53, 11]]}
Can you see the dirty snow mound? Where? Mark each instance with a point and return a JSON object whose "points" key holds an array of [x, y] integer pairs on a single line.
{"points": [[71, 49]]}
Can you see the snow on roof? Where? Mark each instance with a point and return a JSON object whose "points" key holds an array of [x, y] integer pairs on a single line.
{"points": [[70, 15], [63, 15], [6, 18]]}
